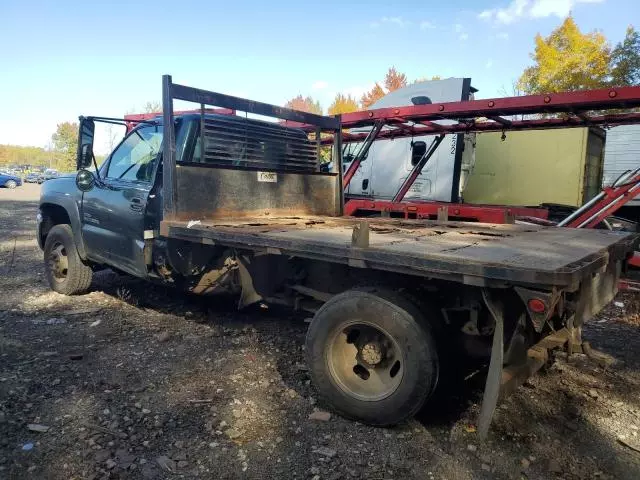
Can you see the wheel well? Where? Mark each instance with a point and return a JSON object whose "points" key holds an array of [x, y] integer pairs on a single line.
{"points": [[52, 215]]}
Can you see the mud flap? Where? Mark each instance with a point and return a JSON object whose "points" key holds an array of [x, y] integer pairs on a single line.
{"points": [[249, 294], [494, 377]]}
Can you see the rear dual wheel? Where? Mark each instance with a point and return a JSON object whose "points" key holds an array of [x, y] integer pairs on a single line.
{"points": [[372, 356]]}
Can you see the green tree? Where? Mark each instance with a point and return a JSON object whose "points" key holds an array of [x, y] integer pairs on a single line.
{"points": [[343, 104], [625, 60], [304, 104], [65, 144], [19, 155], [567, 60]]}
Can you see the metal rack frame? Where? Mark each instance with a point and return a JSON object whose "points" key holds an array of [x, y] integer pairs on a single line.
{"points": [[173, 91]]}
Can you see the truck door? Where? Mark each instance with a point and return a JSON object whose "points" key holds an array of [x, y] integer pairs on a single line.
{"points": [[360, 184], [113, 212]]}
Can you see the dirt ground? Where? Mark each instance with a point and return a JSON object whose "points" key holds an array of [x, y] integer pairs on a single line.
{"points": [[139, 381]]}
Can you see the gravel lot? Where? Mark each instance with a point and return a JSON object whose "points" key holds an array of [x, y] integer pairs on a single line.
{"points": [[139, 381]]}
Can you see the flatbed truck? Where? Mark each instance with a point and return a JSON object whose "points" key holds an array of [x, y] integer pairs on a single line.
{"points": [[215, 203]]}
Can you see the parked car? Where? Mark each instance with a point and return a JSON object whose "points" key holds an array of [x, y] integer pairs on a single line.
{"points": [[9, 181], [50, 173], [34, 178]]}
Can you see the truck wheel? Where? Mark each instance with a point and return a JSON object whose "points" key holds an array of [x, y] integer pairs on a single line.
{"points": [[11, 184], [372, 356], [63, 267]]}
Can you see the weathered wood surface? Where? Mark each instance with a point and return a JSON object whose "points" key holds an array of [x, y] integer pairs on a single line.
{"points": [[467, 252]]}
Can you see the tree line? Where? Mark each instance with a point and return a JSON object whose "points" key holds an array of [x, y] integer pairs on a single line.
{"points": [[345, 103]]}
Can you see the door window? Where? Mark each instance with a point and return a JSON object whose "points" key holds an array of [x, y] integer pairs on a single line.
{"points": [[418, 149], [135, 157]]}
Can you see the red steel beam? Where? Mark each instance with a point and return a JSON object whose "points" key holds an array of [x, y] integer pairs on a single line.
{"points": [[604, 98], [425, 209], [614, 198], [351, 170], [492, 126], [132, 119]]}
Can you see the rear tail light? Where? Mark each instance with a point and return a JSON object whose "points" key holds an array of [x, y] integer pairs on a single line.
{"points": [[536, 305]]}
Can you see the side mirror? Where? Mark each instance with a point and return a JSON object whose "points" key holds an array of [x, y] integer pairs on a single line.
{"points": [[85, 143], [85, 180]]}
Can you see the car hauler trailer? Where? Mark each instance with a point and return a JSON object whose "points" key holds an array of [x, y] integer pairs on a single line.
{"points": [[238, 204], [570, 109]]}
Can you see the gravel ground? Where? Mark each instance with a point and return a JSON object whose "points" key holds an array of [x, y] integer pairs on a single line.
{"points": [[139, 381]]}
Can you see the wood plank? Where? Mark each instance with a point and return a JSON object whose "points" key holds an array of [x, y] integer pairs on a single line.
{"points": [[510, 253]]}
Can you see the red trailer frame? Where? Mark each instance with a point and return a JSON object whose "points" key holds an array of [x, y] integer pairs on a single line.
{"points": [[132, 119], [570, 109]]}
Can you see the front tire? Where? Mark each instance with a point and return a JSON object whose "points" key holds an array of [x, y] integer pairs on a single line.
{"points": [[372, 356], [11, 184], [63, 267]]}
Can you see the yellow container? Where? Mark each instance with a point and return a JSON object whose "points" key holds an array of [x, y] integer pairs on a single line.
{"points": [[561, 166]]}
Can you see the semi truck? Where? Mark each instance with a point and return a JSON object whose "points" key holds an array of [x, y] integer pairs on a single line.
{"points": [[390, 161], [213, 203]]}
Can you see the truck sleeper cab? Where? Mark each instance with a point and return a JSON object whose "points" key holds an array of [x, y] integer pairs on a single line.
{"points": [[222, 203]]}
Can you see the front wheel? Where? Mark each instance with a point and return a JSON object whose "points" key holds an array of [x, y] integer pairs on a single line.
{"points": [[11, 184], [63, 267], [372, 356]]}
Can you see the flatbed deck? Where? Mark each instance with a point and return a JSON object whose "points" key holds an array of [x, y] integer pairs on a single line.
{"points": [[475, 254]]}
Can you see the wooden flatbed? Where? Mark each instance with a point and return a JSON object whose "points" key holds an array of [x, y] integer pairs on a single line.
{"points": [[474, 254]]}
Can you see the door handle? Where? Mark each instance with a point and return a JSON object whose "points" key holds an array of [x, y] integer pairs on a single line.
{"points": [[136, 204]]}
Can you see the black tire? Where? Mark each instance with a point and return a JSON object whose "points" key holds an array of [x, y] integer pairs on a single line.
{"points": [[76, 277], [398, 318], [11, 184]]}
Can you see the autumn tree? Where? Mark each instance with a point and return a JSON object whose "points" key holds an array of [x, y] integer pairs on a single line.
{"points": [[625, 60], [394, 80], [567, 60], [65, 144], [304, 104], [372, 96], [343, 104]]}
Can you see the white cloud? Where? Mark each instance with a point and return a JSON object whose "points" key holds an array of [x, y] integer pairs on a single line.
{"points": [[559, 8], [426, 25], [519, 9], [463, 36], [397, 21], [319, 85], [489, 64], [458, 28], [502, 36]]}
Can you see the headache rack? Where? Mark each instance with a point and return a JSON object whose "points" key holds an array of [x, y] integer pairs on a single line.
{"points": [[244, 142], [243, 166]]}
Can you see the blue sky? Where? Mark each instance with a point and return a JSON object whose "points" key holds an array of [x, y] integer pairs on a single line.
{"points": [[67, 58]]}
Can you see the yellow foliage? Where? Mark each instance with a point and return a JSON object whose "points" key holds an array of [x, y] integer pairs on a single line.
{"points": [[567, 60], [343, 104]]}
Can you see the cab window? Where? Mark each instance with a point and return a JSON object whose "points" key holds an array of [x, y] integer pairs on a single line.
{"points": [[135, 157], [418, 149]]}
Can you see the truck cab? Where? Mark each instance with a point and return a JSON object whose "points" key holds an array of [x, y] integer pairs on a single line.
{"points": [[114, 210]]}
